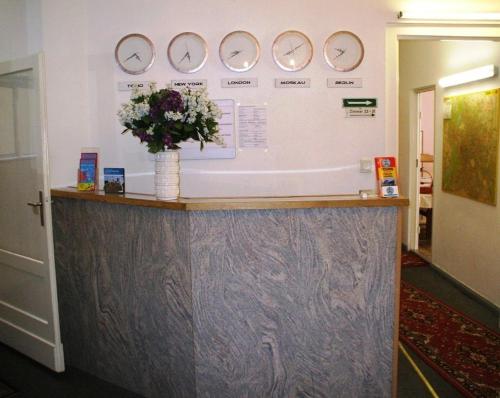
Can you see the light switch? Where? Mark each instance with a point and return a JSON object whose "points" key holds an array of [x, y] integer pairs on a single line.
{"points": [[365, 165]]}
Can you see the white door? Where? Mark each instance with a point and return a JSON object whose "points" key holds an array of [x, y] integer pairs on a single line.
{"points": [[29, 318]]}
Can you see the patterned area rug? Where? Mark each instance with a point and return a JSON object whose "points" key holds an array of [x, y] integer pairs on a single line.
{"points": [[410, 259], [462, 351]]}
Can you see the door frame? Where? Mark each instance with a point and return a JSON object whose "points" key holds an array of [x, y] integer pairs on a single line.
{"points": [[395, 32], [52, 352], [415, 158]]}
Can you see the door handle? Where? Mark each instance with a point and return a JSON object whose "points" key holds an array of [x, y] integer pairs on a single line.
{"points": [[40, 205]]}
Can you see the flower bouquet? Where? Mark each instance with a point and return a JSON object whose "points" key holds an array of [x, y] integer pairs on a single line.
{"points": [[164, 118]]}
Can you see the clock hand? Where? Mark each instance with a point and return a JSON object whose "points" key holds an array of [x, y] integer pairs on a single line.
{"points": [[134, 55], [137, 56], [234, 53], [185, 56], [341, 52], [293, 49]]}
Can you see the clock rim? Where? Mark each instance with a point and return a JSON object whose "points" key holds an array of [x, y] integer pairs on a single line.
{"points": [[151, 46], [339, 68], [275, 57], [252, 39], [205, 48]]}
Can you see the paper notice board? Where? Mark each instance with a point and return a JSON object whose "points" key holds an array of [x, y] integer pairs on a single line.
{"points": [[252, 126]]}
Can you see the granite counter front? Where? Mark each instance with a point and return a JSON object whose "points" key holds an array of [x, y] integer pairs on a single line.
{"points": [[237, 297]]}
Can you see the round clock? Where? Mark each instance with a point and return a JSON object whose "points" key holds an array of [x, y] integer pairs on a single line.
{"points": [[239, 51], [135, 53], [343, 51], [292, 50], [187, 52]]}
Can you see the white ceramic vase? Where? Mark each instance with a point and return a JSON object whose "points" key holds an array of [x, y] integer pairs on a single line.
{"points": [[167, 174]]}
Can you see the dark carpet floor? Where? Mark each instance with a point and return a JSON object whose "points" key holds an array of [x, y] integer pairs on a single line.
{"points": [[7, 392], [427, 278], [31, 380]]}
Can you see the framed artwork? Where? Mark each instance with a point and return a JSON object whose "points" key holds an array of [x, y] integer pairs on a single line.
{"points": [[470, 145]]}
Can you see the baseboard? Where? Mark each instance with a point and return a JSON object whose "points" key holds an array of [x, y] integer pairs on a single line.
{"points": [[466, 290]]}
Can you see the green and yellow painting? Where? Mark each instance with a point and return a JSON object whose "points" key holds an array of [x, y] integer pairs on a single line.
{"points": [[470, 145]]}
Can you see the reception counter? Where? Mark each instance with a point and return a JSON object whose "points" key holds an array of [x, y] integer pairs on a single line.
{"points": [[230, 297]]}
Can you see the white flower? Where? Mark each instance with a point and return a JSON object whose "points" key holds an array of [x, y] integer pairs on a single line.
{"points": [[141, 109], [173, 115], [131, 111], [126, 114], [218, 139], [143, 91]]}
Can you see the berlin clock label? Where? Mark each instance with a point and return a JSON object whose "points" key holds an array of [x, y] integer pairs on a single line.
{"points": [[342, 82]]}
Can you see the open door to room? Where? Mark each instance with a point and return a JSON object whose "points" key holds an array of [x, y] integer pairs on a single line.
{"points": [[425, 175]]}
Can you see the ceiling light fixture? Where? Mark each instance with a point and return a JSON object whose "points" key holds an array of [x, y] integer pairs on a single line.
{"points": [[468, 76], [421, 16]]}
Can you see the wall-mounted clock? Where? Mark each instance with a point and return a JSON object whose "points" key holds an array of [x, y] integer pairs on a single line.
{"points": [[135, 53], [343, 51], [187, 52], [292, 50], [239, 51]]}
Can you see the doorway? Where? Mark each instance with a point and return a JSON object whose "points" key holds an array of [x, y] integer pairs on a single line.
{"points": [[425, 174]]}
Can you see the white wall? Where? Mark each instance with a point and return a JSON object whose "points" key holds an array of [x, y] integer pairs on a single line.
{"points": [[65, 44], [307, 130], [312, 147], [466, 233]]}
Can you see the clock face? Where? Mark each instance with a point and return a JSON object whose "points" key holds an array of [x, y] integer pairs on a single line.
{"points": [[239, 51], [187, 52], [135, 53], [292, 50], [343, 51]]}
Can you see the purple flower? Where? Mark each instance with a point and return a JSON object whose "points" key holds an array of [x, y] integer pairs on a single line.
{"points": [[168, 141], [168, 101], [143, 136]]}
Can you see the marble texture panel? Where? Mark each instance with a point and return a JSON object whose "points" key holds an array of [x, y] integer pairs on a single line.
{"points": [[124, 288], [293, 303], [228, 304]]}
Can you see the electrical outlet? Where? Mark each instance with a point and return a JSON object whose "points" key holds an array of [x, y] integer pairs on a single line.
{"points": [[365, 165]]}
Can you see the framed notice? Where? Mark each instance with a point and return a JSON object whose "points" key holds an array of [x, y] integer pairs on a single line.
{"points": [[191, 150]]}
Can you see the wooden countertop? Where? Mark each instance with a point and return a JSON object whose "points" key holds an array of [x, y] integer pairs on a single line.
{"points": [[237, 203]]}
